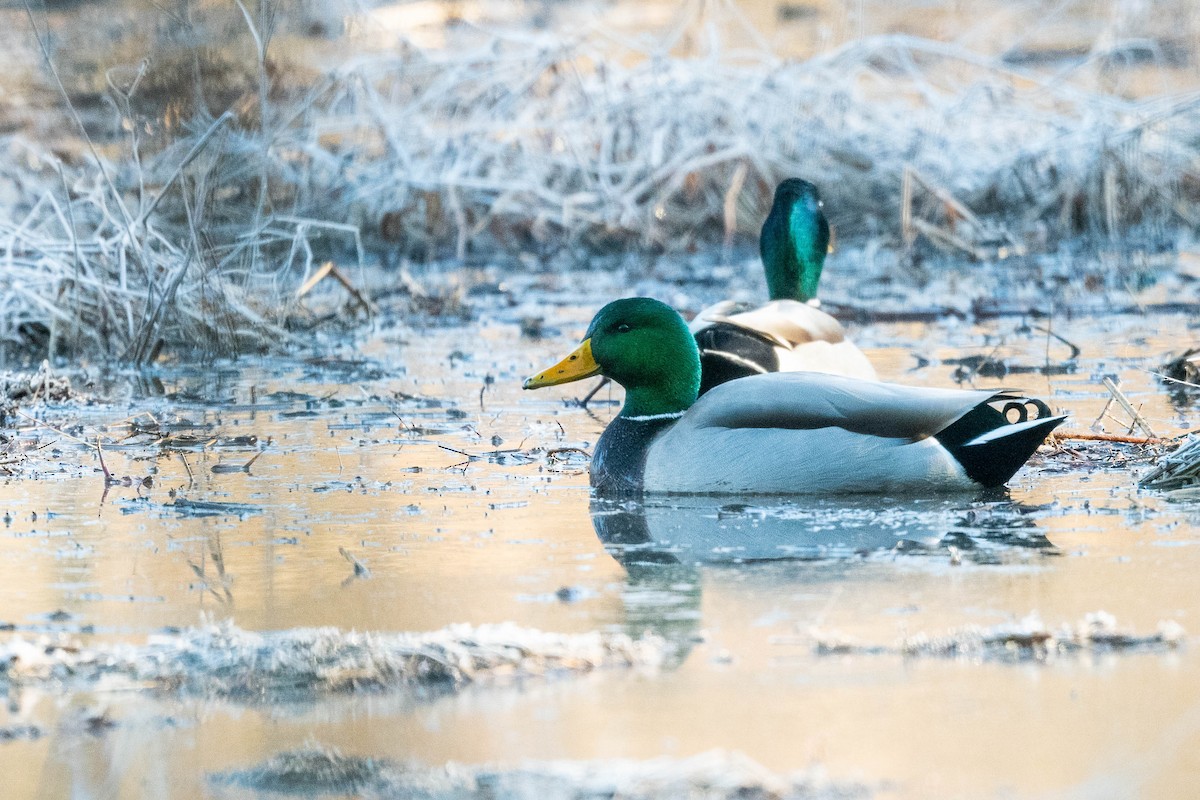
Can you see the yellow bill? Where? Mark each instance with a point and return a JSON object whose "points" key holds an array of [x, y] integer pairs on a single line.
{"points": [[577, 366]]}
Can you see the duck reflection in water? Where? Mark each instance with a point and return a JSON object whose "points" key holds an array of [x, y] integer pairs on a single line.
{"points": [[699, 530], [666, 545]]}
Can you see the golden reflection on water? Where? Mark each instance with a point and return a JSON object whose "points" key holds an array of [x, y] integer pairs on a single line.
{"points": [[447, 541], [494, 542]]}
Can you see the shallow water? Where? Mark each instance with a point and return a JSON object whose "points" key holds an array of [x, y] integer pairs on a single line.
{"points": [[418, 455]]}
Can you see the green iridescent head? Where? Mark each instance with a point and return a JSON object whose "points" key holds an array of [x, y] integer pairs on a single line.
{"points": [[641, 344], [794, 241]]}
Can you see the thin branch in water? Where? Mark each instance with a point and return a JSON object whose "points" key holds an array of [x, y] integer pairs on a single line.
{"points": [[1110, 437], [1138, 420]]}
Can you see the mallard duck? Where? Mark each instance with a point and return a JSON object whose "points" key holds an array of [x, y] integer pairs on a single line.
{"points": [[783, 433], [789, 333]]}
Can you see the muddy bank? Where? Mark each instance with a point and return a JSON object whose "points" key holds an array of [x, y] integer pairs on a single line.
{"points": [[709, 776], [225, 661]]}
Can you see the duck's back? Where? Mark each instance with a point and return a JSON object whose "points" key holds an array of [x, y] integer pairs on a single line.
{"points": [[805, 433], [780, 336]]}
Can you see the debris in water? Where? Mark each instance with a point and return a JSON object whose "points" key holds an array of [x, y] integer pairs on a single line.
{"points": [[1185, 368], [1027, 640], [225, 467], [29, 733], [22, 389], [1075, 450], [1138, 421], [225, 661], [11, 455], [318, 770], [95, 722], [212, 508], [1180, 470], [360, 569], [569, 594], [708, 776]]}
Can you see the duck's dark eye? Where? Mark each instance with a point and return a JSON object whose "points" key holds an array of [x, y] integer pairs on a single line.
{"points": [[623, 328]]}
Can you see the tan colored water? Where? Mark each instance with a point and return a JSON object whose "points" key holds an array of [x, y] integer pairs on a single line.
{"points": [[481, 542], [486, 542]]}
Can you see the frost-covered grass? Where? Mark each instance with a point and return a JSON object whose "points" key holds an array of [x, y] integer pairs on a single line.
{"points": [[231, 173], [1028, 639], [226, 661], [707, 776], [1177, 472]]}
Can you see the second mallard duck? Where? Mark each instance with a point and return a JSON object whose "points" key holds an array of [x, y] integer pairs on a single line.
{"points": [[789, 333], [783, 433]]}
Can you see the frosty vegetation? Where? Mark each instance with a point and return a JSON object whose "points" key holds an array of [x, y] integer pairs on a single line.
{"points": [[708, 776], [1028, 639], [19, 388], [218, 173], [225, 661], [1178, 472]]}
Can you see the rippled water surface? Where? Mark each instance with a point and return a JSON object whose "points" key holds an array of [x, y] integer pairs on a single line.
{"points": [[463, 499]]}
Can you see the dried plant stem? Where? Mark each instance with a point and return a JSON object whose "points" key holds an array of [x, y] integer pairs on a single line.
{"points": [[1110, 437], [1137, 419]]}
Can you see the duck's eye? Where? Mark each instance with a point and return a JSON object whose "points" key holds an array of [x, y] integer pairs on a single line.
{"points": [[623, 328]]}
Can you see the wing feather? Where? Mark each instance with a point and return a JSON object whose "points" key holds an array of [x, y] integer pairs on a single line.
{"points": [[806, 401], [787, 323]]}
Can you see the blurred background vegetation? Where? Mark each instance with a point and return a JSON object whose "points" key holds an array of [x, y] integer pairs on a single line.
{"points": [[176, 172]]}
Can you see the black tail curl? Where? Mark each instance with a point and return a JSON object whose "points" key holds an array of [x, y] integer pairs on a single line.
{"points": [[994, 461]]}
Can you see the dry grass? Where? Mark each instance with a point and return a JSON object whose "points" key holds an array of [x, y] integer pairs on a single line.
{"points": [[1178, 472], [541, 142], [218, 204], [183, 225]]}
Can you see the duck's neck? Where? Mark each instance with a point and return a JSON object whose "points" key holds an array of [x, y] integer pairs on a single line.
{"points": [[653, 402], [667, 381], [793, 246], [660, 400]]}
